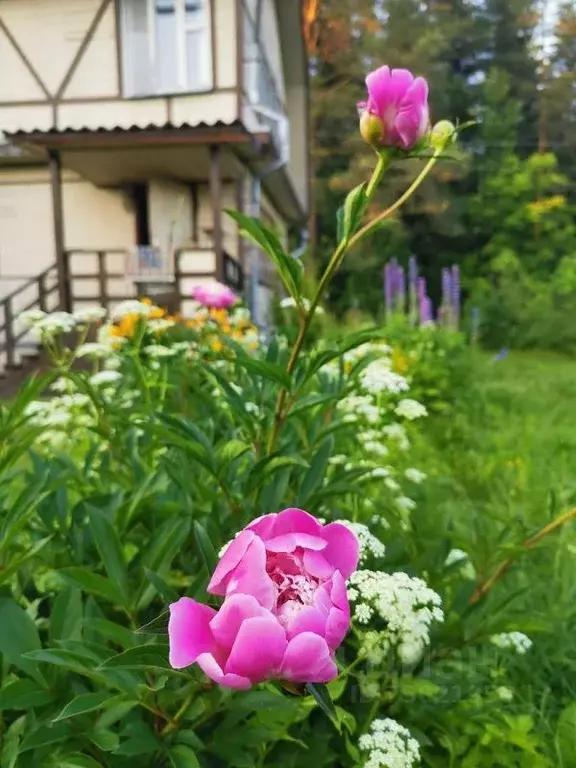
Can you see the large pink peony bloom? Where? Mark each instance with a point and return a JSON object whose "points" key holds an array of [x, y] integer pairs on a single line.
{"points": [[396, 113], [214, 295], [285, 609]]}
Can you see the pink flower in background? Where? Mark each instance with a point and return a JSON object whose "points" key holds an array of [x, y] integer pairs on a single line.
{"points": [[396, 113], [214, 295], [285, 610]]}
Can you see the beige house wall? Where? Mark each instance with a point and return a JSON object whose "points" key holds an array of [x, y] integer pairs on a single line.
{"points": [[63, 26]]}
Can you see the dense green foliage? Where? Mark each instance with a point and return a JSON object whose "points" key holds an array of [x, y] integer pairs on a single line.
{"points": [[102, 529], [504, 206]]}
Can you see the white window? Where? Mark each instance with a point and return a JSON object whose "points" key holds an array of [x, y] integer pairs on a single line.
{"points": [[166, 46]]}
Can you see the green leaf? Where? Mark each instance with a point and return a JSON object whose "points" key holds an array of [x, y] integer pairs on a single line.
{"points": [[166, 592], [78, 761], [352, 211], [207, 550], [108, 545], [289, 269], [566, 736], [269, 371], [66, 617], [109, 630], [182, 756], [158, 626], [146, 656], [18, 636], [232, 450], [92, 583], [268, 466], [23, 694], [322, 697], [44, 735], [8, 572], [85, 702], [313, 478]]}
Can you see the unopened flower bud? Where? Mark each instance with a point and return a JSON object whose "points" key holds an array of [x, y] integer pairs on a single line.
{"points": [[371, 129], [442, 134]]}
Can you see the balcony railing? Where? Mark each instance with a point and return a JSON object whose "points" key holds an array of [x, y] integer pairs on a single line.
{"points": [[259, 84]]}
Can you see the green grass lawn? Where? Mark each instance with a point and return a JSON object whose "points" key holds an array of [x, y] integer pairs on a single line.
{"points": [[504, 466]]}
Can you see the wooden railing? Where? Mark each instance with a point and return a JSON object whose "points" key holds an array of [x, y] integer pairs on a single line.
{"points": [[106, 287], [16, 302]]}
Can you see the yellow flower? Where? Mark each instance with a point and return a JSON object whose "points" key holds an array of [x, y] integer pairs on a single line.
{"points": [[400, 362]]}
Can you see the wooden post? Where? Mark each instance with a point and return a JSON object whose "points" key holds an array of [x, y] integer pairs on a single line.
{"points": [[178, 279], [9, 333], [102, 279], [58, 219], [216, 200], [42, 292]]}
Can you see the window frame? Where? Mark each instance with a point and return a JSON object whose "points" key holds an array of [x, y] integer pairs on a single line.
{"points": [[154, 90]]}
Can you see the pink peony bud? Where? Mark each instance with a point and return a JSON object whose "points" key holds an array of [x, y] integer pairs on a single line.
{"points": [[400, 103], [285, 609], [214, 295]]}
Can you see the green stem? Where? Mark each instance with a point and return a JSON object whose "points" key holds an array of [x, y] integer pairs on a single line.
{"points": [[333, 265]]}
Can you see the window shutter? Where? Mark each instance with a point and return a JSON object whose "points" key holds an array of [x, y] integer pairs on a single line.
{"points": [[138, 71]]}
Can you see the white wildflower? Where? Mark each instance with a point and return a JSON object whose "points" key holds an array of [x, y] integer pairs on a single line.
{"points": [[369, 544], [504, 694], [370, 689], [251, 408], [405, 602], [94, 349], [31, 317], [415, 475], [391, 484], [379, 473], [360, 405], [157, 350], [398, 433], [455, 556], [337, 459], [158, 324], [56, 322], [90, 315], [240, 315], [512, 641], [290, 303], [378, 377], [62, 385], [410, 409], [132, 307], [406, 503], [389, 745], [373, 446], [104, 377]]}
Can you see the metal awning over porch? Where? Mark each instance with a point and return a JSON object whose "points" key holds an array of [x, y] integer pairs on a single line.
{"points": [[117, 156]]}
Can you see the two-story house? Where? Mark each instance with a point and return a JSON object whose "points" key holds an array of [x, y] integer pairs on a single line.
{"points": [[129, 125]]}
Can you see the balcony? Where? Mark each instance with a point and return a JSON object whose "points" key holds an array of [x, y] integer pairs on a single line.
{"points": [[260, 85]]}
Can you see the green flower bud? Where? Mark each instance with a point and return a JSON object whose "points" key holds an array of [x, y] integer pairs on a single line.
{"points": [[371, 129], [442, 134]]}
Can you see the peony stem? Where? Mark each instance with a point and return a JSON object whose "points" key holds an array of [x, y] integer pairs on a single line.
{"points": [[335, 261]]}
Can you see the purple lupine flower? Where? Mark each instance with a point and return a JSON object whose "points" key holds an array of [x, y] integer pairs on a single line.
{"points": [[413, 289], [401, 293], [427, 315], [455, 298], [446, 297]]}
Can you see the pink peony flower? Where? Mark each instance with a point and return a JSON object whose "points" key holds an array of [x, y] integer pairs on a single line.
{"points": [[396, 113], [285, 610], [215, 295]]}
